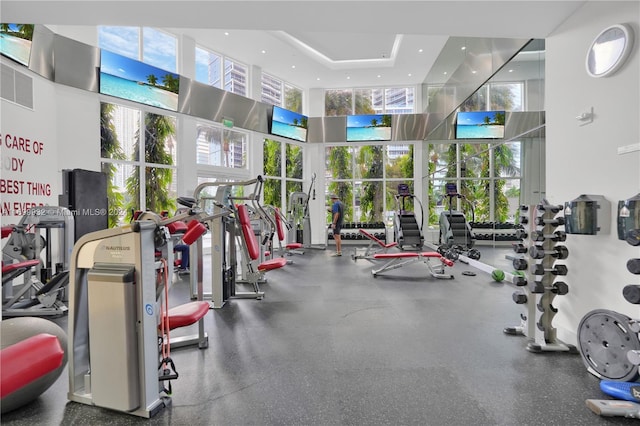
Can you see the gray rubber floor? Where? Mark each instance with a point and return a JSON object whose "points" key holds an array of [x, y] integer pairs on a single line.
{"points": [[332, 345]]}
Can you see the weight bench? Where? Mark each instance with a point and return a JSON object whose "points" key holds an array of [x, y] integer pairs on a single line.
{"points": [[398, 260], [376, 246], [289, 248]]}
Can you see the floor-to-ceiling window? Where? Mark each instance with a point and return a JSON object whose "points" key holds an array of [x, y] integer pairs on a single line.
{"points": [[138, 153]]}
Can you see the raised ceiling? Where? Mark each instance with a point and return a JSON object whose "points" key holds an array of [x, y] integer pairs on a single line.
{"points": [[315, 43]]}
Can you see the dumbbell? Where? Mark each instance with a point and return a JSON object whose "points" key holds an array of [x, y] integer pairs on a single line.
{"points": [[560, 288], [519, 280], [556, 236], [474, 254], [557, 221], [519, 248], [521, 234], [519, 297], [556, 270], [631, 294], [549, 208], [559, 252], [520, 264]]}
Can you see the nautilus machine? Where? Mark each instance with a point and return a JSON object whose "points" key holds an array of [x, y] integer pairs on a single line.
{"points": [[119, 321]]}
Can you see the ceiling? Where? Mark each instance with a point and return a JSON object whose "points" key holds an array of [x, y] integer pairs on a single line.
{"points": [[313, 44]]}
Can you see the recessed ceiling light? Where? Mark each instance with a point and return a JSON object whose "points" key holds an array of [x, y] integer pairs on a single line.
{"points": [[463, 48], [445, 73], [420, 50], [379, 76], [473, 71], [510, 70], [318, 78], [409, 75], [226, 33], [264, 51], [348, 78], [293, 66]]}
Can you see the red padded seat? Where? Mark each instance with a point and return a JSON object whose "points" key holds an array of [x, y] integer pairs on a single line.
{"points": [[187, 314], [28, 360], [276, 263], [177, 228]]}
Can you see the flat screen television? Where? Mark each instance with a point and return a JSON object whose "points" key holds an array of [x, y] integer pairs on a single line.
{"points": [[480, 125], [15, 42], [288, 124], [370, 127], [136, 81]]}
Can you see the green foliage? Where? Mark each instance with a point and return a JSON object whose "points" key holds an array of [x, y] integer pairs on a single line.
{"points": [[157, 131], [272, 158], [110, 148], [370, 158]]}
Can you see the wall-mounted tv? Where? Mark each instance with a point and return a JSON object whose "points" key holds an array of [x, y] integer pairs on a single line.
{"points": [[371, 127], [288, 124], [136, 81], [15, 42], [480, 125]]}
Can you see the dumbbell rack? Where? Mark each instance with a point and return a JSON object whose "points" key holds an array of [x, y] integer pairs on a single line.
{"points": [[537, 286], [351, 236]]}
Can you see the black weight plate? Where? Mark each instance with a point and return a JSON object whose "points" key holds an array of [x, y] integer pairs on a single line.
{"points": [[604, 339], [633, 237], [633, 266]]}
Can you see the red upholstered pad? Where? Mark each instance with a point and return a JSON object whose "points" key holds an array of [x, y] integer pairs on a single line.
{"points": [[177, 228], [395, 255], [28, 360], [187, 314], [249, 238], [14, 266], [194, 232], [437, 255], [7, 230], [272, 264], [377, 240], [293, 246], [279, 227]]}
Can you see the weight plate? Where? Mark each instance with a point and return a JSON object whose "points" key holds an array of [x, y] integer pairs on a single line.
{"points": [[604, 339]]}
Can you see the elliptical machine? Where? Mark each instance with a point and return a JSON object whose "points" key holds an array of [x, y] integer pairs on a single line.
{"points": [[456, 237], [406, 230]]}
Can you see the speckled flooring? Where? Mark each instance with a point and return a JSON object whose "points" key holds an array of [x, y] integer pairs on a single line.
{"points": [[331, 345]]}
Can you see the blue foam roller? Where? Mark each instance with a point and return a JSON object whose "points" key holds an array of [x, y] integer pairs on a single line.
{"points": [[629, 391]]}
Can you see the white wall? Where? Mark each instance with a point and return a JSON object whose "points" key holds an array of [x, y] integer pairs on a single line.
{"points": [[30, 151], [584, 159]]}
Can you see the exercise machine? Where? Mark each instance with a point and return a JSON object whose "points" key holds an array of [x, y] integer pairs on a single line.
{"points": [[299, 217], [233, 241], [456, 236], [406, 230], [401, 259], [119, 319], [42, 291], [376, 246]]}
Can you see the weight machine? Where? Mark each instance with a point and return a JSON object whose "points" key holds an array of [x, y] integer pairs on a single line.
{"points": [[299, 217], [231, 234], [119, 321], [406, 229], [42, 293]]}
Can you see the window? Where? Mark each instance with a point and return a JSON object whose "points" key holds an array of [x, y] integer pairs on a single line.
{"points": [[366, 178], [141, 172], [496, 97], [221, 72], [486, 174], [280, 93], [369, 101], [158, 48], [277, 172], [221, 147]]}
